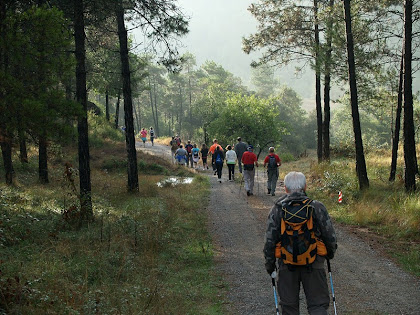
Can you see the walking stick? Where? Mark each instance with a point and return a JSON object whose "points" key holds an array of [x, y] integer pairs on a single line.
{"points": [[258, 182], [240, 184], [273, 276], [332, 287]]}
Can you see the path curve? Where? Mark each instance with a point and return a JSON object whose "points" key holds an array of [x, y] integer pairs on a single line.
{"points": [[364, 281]]}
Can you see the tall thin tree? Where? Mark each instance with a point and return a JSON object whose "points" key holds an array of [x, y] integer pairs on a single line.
{"points": [[396, 138], [133, 178], [318, 84], [360, 156], [82, 123], [409, 140], [327, 83]]}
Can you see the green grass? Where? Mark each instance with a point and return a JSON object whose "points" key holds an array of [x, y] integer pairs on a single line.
{"points": [[145, 253]]}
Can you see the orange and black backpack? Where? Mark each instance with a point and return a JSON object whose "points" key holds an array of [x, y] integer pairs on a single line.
{"points": [[298, 244]]}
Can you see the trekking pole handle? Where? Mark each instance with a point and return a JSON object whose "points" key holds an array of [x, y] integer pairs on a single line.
{"points": [[328, 265]]}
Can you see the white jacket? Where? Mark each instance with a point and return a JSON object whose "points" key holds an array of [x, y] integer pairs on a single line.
{"points": [[231, 157]]}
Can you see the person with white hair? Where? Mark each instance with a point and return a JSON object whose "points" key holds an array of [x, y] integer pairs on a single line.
{"points": [[299, 238]]}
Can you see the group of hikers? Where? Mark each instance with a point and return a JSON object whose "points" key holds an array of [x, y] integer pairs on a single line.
{"points": [[143, 135], [299, 236], [241, 153]]}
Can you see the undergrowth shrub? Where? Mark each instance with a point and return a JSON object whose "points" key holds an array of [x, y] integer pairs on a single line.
{"points": [[286, 157], [101, 130], [114, 164]]}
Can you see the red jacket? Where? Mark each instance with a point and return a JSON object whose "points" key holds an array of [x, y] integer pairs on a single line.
{"points": [[249, 158]]}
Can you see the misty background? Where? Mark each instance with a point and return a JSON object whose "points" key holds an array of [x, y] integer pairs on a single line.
{"points": [[216, 31]]}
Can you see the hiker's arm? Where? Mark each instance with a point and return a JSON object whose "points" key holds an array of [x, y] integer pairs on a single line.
{"points": [[325, 227], [272, 237]]}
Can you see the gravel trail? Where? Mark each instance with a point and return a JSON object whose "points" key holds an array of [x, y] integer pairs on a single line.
{"points": [[365, 282]]}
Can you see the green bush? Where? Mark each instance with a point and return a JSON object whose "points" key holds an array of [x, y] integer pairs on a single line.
{"points": [[114, 164], [286, 157], [151, 169], [101, 130]]}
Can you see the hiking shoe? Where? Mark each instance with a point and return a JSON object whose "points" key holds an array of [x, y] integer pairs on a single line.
{"points": [[220, 180], [251, 193], [248, 193], [273, 194], [269, 191]]}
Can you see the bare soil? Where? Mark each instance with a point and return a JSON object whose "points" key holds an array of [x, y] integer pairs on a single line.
{"points": [[365, 280]]}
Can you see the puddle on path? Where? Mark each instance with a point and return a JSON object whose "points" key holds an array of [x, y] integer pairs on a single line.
{"points": [[173, 181]]}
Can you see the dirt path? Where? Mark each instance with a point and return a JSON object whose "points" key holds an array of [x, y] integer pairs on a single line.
{"points": [[364, 281]]}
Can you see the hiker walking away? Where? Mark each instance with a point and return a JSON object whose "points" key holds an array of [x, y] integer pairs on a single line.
{"points": [[217, 161], [272, 161], [300, 234], [152, 135], [230, 162], [189, 148], [174, 146], [240, 149], [178, 140], [212, 150], [204, 153], [143, 135], [181, 155], [195, 155], [249, 160]]}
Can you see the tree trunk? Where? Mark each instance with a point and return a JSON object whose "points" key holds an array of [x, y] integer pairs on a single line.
{"points": [[133, 180], [23, 152], [6, 150], [327, 86], [5, 136], [156, 111], [137, 119], [190, 102], [117, 110], [409, 139], [396, 138], [86, 212], [360, 156], [151, 102], [181, 110], [107, 105], [43, 159], [318, 85]]}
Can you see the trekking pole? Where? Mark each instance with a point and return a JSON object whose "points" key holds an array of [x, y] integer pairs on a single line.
{"points": [[273, 276], [258, 182], [332, 287]]}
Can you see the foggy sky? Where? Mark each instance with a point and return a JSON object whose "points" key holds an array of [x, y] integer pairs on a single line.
{"points": [[216, 31]]}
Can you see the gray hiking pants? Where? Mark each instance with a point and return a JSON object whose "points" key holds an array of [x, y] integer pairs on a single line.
{"points": [[272, 176], [314, 284], [249, 180]]}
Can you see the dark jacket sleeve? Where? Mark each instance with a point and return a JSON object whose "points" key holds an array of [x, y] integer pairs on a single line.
{"points": [[272, 237], [324, 228]]}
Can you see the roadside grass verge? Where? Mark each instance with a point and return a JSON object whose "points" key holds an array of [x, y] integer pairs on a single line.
{"points": [[145, 253], [384, 210]]}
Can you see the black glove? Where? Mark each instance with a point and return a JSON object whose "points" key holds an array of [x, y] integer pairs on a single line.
{"points": [[270, 267], [330, 253]]}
